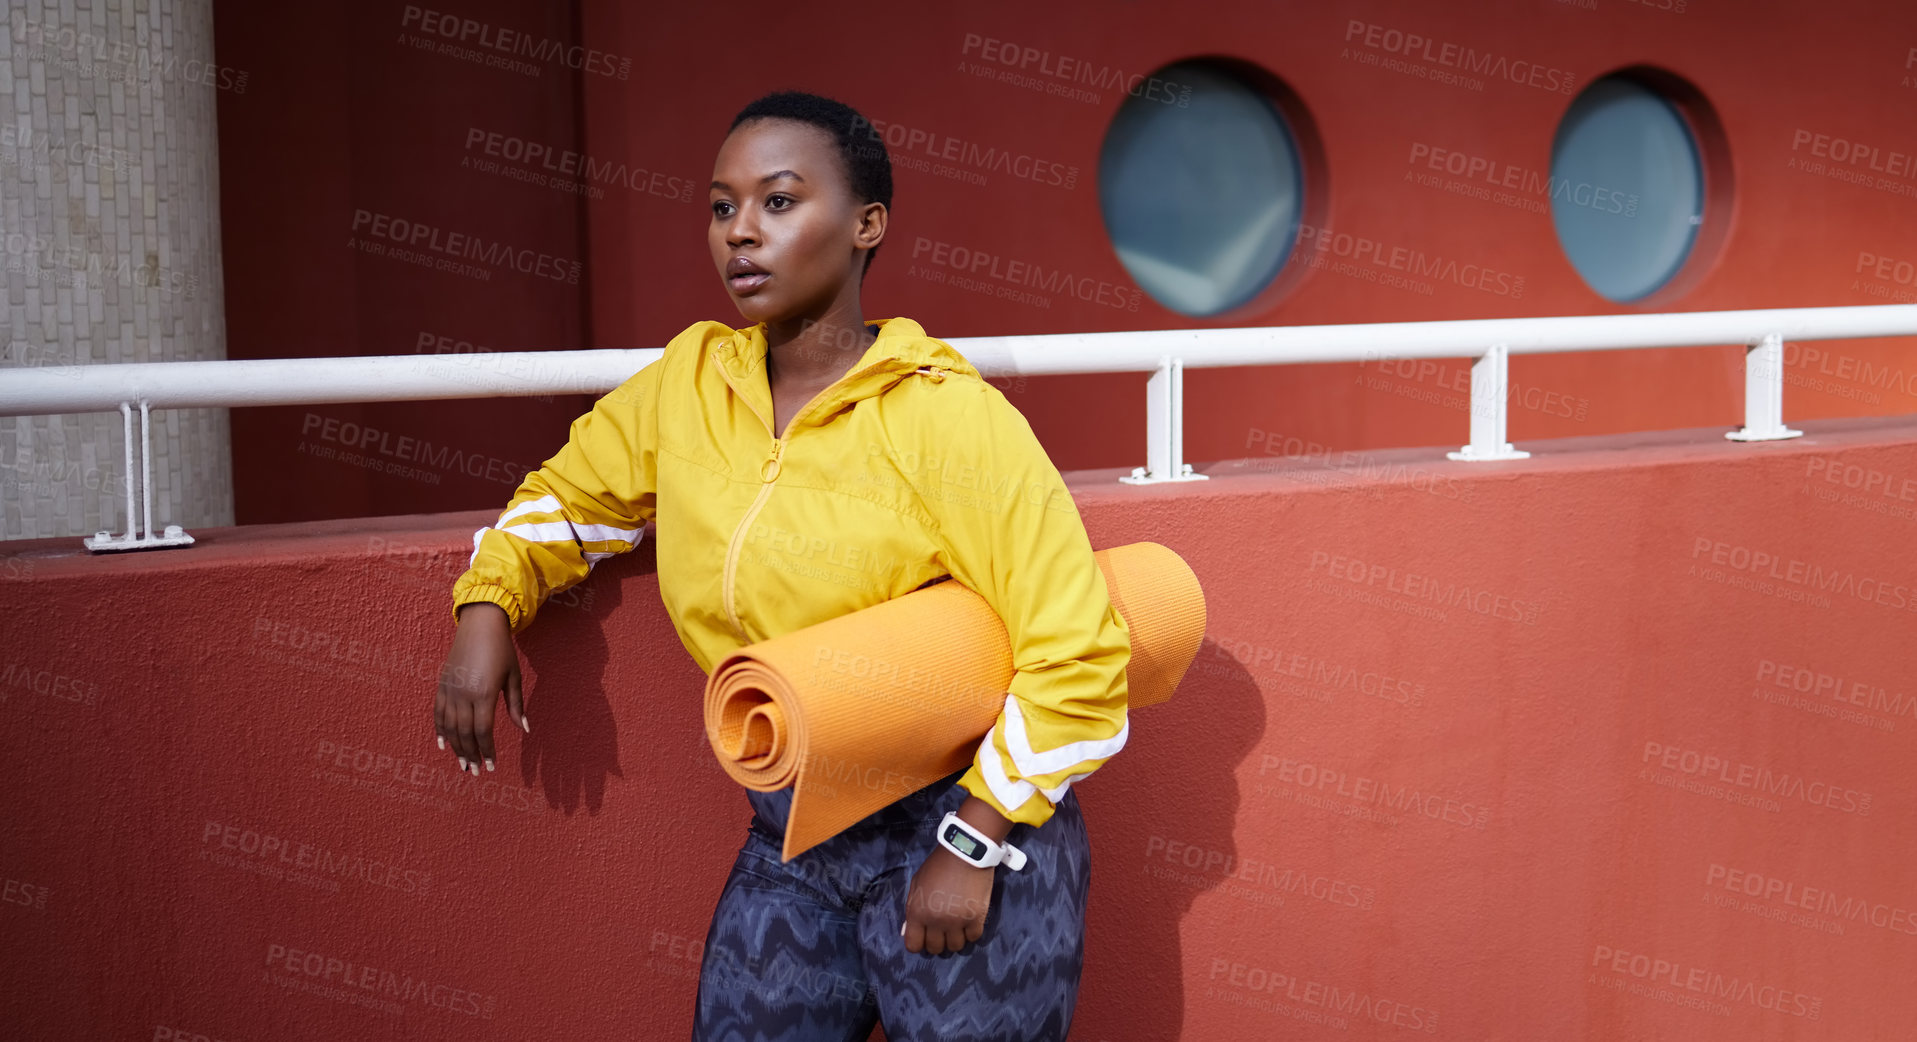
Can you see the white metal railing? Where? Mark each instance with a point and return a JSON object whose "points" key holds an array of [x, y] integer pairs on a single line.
{"points": [[1165, 354]]}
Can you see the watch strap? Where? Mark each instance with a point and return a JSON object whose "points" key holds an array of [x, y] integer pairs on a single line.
{"points": [[995, 853]]}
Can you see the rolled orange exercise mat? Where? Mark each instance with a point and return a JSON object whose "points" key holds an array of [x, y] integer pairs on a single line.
{"points": [[859, 711]]}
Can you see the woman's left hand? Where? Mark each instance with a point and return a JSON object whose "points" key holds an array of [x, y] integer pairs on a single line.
{"points": [[945, 909]]}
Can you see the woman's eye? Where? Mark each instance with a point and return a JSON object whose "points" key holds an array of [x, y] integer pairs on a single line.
{"points": [[778, 202], [721, 209]]}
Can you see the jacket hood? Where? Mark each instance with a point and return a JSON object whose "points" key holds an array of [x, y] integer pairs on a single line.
{"points": [[902, 348]]}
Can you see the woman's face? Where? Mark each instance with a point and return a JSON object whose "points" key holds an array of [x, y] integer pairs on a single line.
{"points": [[786, 229]]}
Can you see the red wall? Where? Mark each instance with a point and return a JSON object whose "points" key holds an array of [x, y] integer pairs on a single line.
{"points": [[346, 115], [1528, 750], [350, 145]]}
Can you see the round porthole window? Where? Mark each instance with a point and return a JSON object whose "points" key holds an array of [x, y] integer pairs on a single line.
{"points": [[1627, 188], [1202, 189]]}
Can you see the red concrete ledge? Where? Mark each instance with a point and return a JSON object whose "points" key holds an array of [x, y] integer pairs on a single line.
{"points": [[1274, 462], [1467, 746]]}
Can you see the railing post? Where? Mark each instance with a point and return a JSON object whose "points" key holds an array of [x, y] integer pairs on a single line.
{"points": [[139, 527], [1164, 428], [1489, 383], [1764, 393]]}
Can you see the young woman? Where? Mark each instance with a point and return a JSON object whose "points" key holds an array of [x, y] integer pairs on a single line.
{"points": [[806, 466]]}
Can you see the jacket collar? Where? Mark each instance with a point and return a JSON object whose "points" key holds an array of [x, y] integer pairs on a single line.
{"points": [[901, 349]]}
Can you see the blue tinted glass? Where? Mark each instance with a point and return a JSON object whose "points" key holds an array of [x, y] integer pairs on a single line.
{"points": [[1202, 202], [1627, 189]]}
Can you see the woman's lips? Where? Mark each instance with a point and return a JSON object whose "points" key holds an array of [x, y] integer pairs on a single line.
{"points": [[745, 285]]}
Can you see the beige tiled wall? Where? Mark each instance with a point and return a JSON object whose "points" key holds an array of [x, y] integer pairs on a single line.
{"points": [[109, 209]]}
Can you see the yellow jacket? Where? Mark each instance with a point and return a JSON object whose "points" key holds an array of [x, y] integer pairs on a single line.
{"points": [[910, 467]]}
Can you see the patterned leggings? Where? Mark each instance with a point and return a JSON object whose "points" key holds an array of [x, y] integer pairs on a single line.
{"points": [[809, 951]]}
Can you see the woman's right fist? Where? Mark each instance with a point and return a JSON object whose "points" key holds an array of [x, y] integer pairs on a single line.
{"points": [[482, 662]]}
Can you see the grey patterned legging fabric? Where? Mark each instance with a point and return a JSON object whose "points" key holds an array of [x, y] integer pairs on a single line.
{"points": [[809, 951]]}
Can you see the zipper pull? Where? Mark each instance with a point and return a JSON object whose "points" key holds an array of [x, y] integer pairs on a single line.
{"points": [[772, 461], [937, 375]]}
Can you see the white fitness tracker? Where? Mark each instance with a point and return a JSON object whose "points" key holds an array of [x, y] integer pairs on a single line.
{"points": [[974, 847]]}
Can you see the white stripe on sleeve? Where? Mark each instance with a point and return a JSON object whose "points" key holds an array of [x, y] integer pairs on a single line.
{"points": [[532, 507], [566, 531], [1051, 761], [1012, 794]]}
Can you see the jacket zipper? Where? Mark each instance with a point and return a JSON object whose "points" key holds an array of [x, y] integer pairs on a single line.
{"points": [[768, 474]]}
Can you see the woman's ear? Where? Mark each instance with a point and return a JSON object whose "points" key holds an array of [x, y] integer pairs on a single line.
{"points": [[871, 228]]}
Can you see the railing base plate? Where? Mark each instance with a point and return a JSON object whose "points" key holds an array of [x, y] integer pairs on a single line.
{"points": [[1745, 434], [107, 542], [1471, 454], [1138, 476]]}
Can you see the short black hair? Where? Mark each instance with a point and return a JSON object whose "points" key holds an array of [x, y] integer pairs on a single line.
{"points": [[868, 168]]}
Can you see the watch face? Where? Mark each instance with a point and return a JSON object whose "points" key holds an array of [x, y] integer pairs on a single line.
{"points": [[963, 840]]}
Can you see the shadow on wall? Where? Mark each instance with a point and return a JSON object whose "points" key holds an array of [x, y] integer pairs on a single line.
{"points": [[1194, 800], [573, 747], [1133, 986]]}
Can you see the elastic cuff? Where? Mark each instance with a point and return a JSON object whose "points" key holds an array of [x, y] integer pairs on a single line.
{"points": [[1035, 811], [490, 593]]}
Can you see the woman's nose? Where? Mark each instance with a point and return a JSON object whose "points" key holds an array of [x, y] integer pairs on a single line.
{"points": [[743, 229]]}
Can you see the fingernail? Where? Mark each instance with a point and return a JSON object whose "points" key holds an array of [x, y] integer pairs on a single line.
{"points": [[525, 724], [901, 929], [489, 765], [442, 741], [462, 763]]}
